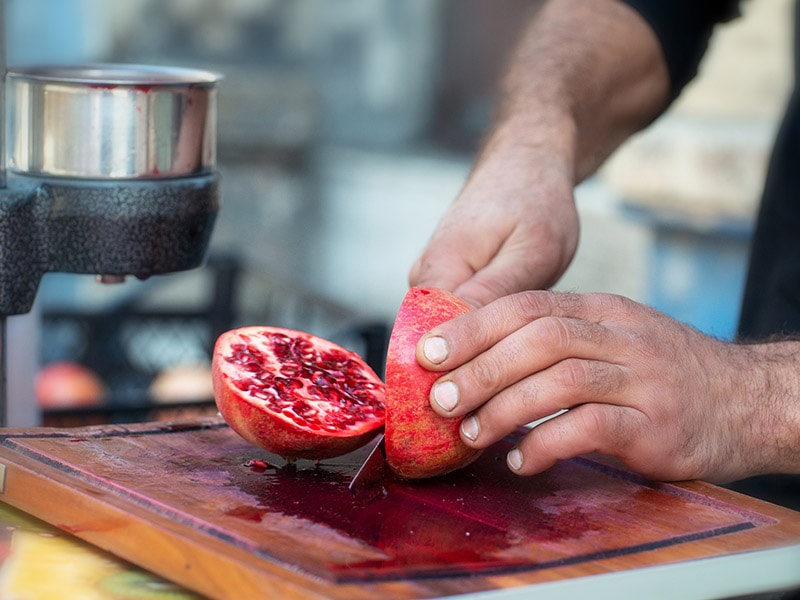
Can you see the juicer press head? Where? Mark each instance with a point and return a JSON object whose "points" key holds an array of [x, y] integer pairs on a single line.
{"points": [[112, 172], [104, 228]]}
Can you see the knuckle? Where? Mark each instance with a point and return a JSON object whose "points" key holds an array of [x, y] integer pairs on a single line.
{"points": [[594, 421], [567, 334], [613, 302], [500, 365], [610, 304], [532, 304], [557, 441], [545, 445], [498, 416], [483, 373], [520, 405], [529, 395], [614, 433], [478, 333], [573, 374], [591, 378], [510, 408], [536, 304], [553, 333]]}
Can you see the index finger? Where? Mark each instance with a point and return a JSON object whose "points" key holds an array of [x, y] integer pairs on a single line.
{"points": [[454, 342], [447, 272]]}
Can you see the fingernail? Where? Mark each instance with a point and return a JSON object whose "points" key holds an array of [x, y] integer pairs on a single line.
{"points": [[514, 459], [470, 428], [445, 394], [435, 349]]}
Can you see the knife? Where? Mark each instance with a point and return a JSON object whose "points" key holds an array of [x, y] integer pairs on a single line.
{"points": [[368, 482]]}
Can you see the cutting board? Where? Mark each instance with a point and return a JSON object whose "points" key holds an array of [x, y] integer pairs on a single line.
{"points": [[195, 503]]}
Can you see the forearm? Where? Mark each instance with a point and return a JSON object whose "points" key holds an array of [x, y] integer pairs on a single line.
{"points": [[771, 421], [584, 77]]}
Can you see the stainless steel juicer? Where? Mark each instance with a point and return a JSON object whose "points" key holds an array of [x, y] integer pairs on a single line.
{"points": [[105, 169]]}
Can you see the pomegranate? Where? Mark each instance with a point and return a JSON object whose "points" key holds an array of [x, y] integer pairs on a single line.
{"points": [[296, 394], [419, 442], [67, 384]]}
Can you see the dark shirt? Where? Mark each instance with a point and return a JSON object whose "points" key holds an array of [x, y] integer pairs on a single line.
{"points": [[683, 28], [771, 303]]}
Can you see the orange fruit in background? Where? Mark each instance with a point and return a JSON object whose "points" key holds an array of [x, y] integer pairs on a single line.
{"points": [[68, 384]]}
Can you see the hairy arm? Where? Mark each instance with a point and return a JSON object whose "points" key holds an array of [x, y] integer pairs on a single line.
{"points": [[584, 77]]}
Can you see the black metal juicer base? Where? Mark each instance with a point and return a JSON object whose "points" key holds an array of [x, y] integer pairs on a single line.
{"points": [[115, 227]]}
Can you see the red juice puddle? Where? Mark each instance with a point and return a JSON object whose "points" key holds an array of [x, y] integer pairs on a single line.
{"points": [[465, 522]]}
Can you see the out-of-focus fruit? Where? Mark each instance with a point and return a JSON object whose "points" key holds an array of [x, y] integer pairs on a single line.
{"points": [[68, 384], [295, 394], [419, 442], [182, 383]]}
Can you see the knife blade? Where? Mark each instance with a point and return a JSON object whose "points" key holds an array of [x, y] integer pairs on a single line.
{"points": [[368, 482]]}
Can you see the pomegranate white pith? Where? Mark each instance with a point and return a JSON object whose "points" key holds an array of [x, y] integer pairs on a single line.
{"points": [[296, 394]]}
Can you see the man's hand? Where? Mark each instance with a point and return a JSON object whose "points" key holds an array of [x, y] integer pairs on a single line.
{"points": [[668, 401], [584, 77], [513, 228]]}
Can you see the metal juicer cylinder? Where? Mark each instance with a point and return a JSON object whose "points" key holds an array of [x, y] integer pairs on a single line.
{"points": [[111, 172], [111, 121]]}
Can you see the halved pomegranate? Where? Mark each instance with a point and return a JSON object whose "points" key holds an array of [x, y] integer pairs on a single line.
{"points": [[295, 394], [419, 442]]}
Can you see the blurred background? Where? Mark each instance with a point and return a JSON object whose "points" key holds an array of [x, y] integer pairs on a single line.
{"points": [[345, 130]]}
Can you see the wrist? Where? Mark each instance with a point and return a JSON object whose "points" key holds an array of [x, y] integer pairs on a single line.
{"points": [[769, 390], [543, 136]]}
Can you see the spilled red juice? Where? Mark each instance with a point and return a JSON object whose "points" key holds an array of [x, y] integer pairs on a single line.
{"points": [[482, 518]]}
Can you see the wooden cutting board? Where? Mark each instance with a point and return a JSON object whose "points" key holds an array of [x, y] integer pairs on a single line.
{"points": [[195, 503]]}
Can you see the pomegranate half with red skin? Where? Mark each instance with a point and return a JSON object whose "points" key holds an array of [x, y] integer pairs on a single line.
{"points": [[295, 394], [419, 442]]}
